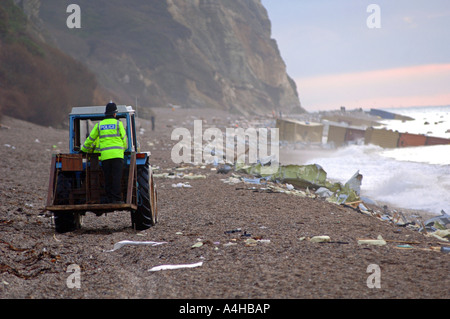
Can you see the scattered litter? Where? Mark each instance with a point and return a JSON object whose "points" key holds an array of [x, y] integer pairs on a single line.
{"points": [[251, 242], [237, 230], [229, 244], [189, 176], [135, 243], [256, 181], [402, 242], [172, 267], [354, 182], [289, 187], [363, 208], [405, 246], [437, 221], [445, 250], [440, 234], [10, 146], [181, 185], [225, 169], [197, 244], [378, 242], [320, 239], [165, 175], [178, 233], [231, 180], [324, 192]]}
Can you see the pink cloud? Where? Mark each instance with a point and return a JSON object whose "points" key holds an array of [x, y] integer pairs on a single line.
{"points": [[422, 85]]}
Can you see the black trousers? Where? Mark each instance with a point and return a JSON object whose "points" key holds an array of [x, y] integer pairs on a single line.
{"points": [[112, 171]]}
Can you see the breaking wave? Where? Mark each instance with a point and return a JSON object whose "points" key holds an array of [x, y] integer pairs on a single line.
{"points": [[393, 176]]}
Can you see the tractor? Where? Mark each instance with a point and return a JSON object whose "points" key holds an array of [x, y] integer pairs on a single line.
{"points": [[76, 183]]}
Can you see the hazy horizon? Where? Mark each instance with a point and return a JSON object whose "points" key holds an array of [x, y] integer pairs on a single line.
{"points": [[346, 53]]}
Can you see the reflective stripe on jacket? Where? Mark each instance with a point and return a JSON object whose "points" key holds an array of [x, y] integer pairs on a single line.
{"points": [[93, 148], [112, 139]]}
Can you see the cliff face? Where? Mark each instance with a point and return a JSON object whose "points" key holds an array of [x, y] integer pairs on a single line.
{"points": [[232, 40], [192, 53], [38, 83]]}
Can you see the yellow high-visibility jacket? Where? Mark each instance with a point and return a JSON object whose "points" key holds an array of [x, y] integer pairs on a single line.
{"points": [[93, 148], [112, 139]]}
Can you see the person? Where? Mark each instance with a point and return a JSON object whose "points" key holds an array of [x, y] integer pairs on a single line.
{"points": [[153, 122], [112, 143]]}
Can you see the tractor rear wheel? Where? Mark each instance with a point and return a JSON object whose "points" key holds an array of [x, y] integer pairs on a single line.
{"points": [[67, 221], [146, 214]]}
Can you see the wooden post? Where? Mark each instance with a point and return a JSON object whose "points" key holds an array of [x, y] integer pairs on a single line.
{"points": [[132, 173], [51, 183]]}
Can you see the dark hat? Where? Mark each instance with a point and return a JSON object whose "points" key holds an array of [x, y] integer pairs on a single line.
{"points": [[111, 108]]}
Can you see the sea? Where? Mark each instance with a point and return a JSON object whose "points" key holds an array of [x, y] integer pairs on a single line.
{"points": [[414, 178]]}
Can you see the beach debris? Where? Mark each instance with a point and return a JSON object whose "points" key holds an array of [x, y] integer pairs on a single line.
{"points": [[445, 250], [229, 244], [10, 146], [232, 180], [181, 185], [354, 183], [122, 243], [402, 242], [363, 208], [237, 230], [439, 222], [197, 244], [192, 176], [303, 176], [225, 169], [245, 234], [320, 239], [377, 242], [404, 246], [257, 181], [289, 186], [251, 242], [440, 234], [173, 267], [324, 192], [165, 175], [179, 173]]}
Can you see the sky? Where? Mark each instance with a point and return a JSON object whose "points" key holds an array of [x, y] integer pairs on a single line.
{"points": [[354, 54]]}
